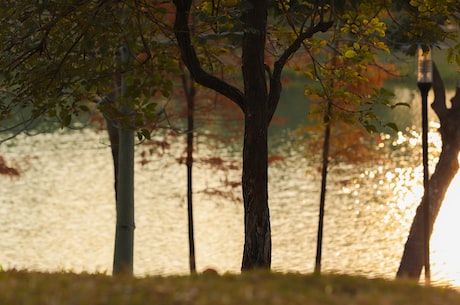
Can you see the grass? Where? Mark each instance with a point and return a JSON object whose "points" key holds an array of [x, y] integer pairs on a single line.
{"points": [[30, 288]]}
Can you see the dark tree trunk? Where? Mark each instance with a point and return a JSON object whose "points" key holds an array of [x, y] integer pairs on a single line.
{"points": [[322, 199], [257, 244], [123, 260], [413, 257], [189, 89]]}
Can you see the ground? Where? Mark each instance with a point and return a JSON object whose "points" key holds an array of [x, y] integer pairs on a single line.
{"points": [[20, 287]]}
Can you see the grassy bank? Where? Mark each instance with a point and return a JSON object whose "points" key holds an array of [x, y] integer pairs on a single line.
{"points": [[253, 288]]}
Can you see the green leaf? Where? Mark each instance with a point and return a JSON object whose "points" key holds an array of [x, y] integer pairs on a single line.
{"points": [[83, 108], [350, 54], [146, 133], [392, 126], [65, 121], [370, 128]]}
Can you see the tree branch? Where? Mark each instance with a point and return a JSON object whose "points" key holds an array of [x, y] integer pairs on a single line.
{"points": [[275, 80], [182, 32]]}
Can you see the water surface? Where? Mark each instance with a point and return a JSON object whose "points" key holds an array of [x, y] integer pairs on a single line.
{"points": [[60, 214]]}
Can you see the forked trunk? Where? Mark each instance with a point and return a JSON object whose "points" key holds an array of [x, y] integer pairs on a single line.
{"points": [[254, 102]]}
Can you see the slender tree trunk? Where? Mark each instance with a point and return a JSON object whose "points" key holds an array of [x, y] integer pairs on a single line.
{"points": [[322, 200], [189, 89], [413, 257], [257, 245], [124, 233]]}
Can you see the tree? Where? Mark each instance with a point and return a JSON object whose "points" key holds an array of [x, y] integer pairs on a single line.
{"points": [[427, 24], [58, 56], [423, 23], [245, 24], [189, 90], [258, 105], [338, 112], [412, 260], [123, 260]]}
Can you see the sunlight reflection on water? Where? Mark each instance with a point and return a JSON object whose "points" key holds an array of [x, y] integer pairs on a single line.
{"points": [[60, 213]]}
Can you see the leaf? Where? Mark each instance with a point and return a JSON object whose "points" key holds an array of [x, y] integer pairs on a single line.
{"points": [[392, 126], [370, 128], [400, 104], [350, 54], [83, 108], [309, 74], [145, 133], [65, 121]]}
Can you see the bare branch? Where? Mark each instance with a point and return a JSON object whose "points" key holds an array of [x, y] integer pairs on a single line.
{"points": [[275, 80]]}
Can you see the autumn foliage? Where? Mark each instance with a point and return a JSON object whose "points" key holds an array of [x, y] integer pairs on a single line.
{"points": [[7, 170], [353, 88]]}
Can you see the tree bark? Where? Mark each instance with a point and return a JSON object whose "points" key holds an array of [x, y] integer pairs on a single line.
{"points": [[257, 245], [413, 257]]}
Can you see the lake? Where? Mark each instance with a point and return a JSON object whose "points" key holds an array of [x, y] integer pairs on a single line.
{"points": [[60, 214]]}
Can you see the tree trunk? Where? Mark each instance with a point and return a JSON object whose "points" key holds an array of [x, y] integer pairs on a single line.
{"points": [[322, 199], [413, 257], [124, 234], [257, 245], [189, 89]]}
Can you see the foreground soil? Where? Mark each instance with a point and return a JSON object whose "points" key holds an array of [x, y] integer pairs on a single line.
{"points": [[250, 288]]}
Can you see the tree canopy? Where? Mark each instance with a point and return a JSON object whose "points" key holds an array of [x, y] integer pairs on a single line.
{"points": [[56, 56]]}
